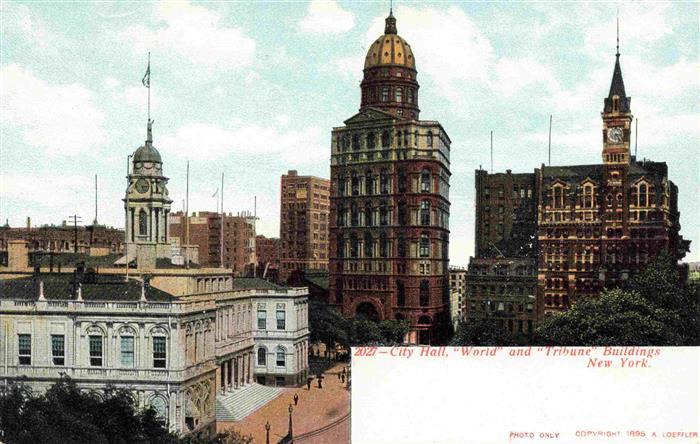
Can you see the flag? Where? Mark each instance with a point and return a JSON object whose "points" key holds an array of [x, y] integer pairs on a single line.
{"points": [[147, 77]]}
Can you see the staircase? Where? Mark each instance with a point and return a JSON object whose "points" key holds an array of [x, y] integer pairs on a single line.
{"points": [[239, 403]]}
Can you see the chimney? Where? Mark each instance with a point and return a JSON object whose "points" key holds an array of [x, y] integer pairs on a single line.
{"points": [[29, 223], [18, 255]]}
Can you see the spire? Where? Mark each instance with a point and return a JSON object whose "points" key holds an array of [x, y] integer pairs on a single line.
{"points": [[390, 21], [617, 85]]}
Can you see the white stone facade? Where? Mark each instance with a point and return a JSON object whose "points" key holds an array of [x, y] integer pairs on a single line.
{"points": [[176, 355]]}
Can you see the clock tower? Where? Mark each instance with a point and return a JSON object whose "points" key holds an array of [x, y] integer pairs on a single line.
{"points": [[147, 206], [617, 124]]}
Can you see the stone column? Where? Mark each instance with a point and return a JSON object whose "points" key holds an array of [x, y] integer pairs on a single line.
{"points": [[235, 372]]}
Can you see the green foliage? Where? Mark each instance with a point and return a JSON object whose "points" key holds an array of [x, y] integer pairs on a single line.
{"points": [[65, 414], [617, 318], [230, 436], [483, 332]]}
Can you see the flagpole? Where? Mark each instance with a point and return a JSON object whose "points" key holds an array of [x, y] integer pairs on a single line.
{"points": [[222, 222], [149, 86]]}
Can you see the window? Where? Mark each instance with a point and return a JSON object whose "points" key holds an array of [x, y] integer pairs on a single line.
{"points": [[386, 139], [401, 246], [95, 351], [280, 361], [558, 196], [371, 142], [281, 320], [430, 139], [354, 216], [424, 245], [262, 319], [399, 95], [400, 293], [385, 94], [355, 142], [369, 245], [355, 184], [424, 293], [126, 349], [159, 354], [24, 349], [58, 349], [588, 196], [383, 214], [340, 244], [262, 356], [368, 216], [402, 213], [425, 212], [410, 95], [143, 223], [369, 183], [402, 180], [341, 186], [425, 181], [384, 182], [383, 245], [354, 246]]}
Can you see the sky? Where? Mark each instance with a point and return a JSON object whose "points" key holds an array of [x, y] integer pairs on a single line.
{"points": [[253, 89]]}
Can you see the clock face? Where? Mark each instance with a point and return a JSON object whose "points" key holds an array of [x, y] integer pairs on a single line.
{"points": [[615, 134], [142, 186]]}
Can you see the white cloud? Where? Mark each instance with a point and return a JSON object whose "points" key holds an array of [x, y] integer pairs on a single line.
{"points": [[61, 119], [196, 33], [211, 142], [326, 17], [512, 75]]}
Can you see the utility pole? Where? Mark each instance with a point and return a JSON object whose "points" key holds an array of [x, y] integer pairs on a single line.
{"points": [[76, 219]]}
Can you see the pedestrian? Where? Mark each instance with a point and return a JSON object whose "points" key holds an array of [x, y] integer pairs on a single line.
{"points": [[308, 383], [320, 377], [338, 375], [343, 378], [296, 399], [344, 370]]}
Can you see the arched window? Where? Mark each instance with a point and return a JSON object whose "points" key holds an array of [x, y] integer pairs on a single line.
{"points": [[425, 180], [588, 196], [385, 94], [354, 215], [399, 95], [340, 218], [126, 347], [280, 360], [369, 245], [355, 142], [558, 196], [262, 356], [354, 246], [643, 195], [400, 293], [383, 214], [430, 139], [368, 215], [424, 245], [424, 293], [143, 223], [340, 245], [371, 142], [341, 186], [369, 183], [158, 405], [355, 184], [386, 139], [384, 182], [383, 245], [425, 212]]}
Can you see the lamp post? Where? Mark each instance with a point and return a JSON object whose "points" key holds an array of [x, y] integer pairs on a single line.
{"points": [[267, 432], [291, 409]]}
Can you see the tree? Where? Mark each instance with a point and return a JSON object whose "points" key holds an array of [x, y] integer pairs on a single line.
{"points": [[393, 332], [482, 332], [66, 414], [230, 436], [616, 318]]}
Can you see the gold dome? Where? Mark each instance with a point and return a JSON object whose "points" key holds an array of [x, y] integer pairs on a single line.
{"points": [[390, 49]]}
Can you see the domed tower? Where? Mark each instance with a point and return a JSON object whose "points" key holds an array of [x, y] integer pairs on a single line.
{"points": [[389, 81], [147, 205], [389, 217]]}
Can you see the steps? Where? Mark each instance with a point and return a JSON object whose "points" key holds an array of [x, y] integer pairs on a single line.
{"points": [[237, 404]]}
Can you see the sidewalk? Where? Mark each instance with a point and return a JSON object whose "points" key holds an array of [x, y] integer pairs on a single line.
{"points": [[325, 408]]}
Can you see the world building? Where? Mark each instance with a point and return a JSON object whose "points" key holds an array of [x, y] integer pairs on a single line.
{"points": [[389, 217]]}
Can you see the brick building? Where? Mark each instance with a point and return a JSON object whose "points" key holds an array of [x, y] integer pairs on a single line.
{"points": [[268, 251], [304, 214], [205, 232], [589, 227], [92, 240], [390, 200]]}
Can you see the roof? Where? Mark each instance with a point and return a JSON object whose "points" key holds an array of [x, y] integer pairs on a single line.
{"points": [[321, 281], [70, 259], [617, 88], [595, 171], [147, 153], [246, 283], [390, 49], [60, 287]]}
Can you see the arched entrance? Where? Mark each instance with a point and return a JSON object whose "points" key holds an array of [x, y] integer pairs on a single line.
{"points": [[367, 310], [424, 334]]}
